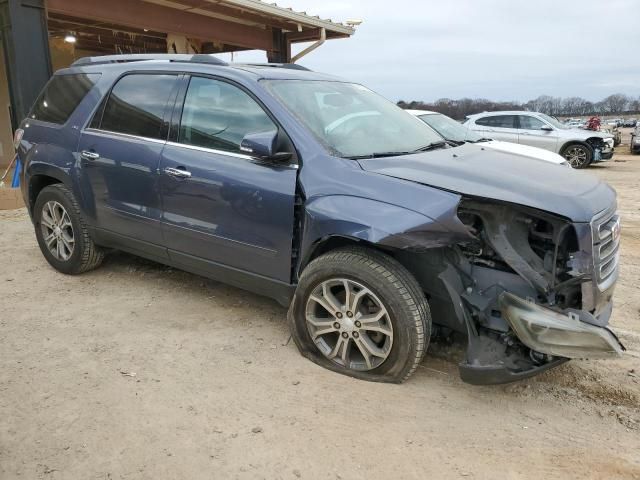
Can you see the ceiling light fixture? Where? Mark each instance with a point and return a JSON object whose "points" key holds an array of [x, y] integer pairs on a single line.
{"points": [[70, 38]]}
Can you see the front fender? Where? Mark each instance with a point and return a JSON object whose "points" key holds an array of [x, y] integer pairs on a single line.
{"points": [[376, 223]]}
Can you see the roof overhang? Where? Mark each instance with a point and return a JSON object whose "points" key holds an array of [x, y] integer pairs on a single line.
{"points": [[229, 25], [258, 14]]}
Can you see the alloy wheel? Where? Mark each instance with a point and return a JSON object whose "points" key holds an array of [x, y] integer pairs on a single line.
{"points": [[576, 156], [57, 230], [349, 324]]}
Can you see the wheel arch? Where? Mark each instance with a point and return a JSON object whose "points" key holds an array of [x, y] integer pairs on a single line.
{"points": [[38, 182], [568, 143], [332, 242]]}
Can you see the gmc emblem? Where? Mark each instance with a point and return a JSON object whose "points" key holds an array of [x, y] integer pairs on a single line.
{"points": [[615, 230]]}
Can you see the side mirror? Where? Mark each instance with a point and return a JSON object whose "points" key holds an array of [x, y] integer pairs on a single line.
{"points": [[546, 128], [263, 145]]}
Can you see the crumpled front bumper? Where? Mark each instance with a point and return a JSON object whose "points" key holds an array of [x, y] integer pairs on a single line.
{"points": [[558, 334]]}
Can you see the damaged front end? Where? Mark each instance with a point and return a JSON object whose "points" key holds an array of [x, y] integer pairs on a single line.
{"points": [[529, 289]]}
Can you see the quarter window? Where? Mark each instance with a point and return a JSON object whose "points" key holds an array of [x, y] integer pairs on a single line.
{"points": [[218, 115], [137, 105], [498, 121], [61, 97], [530, 123]]}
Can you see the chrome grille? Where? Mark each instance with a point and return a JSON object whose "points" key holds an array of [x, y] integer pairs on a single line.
{"points": [[606, 244]]}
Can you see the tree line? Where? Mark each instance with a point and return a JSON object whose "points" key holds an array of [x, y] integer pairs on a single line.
{"points": [[616, 104]]}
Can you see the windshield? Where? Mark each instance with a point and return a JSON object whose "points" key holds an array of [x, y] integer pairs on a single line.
{"points": [[449, 128], [554, 122], [351, 120]]}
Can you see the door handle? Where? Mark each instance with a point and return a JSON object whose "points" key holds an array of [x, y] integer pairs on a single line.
{"points": [[177, 172], [87, 155]]}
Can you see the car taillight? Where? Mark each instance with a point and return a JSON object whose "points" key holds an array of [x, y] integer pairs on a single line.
{"points": [[17, 138]]}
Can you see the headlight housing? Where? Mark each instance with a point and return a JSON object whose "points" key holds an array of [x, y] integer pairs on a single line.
{"points": [[554, 333]]}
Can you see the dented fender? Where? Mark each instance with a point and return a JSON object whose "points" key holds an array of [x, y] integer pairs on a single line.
{"points": [[378, 223]]}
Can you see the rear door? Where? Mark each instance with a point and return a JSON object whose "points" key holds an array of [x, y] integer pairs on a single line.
{"points": [[119, 158], [530, 132], [498, 127], [223, 208]]}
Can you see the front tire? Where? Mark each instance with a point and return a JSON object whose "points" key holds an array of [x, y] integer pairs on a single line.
{"points": [[578, 155], [61, 232], [359, 312]]}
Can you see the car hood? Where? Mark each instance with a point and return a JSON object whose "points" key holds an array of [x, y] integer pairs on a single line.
{"points": [[492, 174], [571, 132], [525, 151]]}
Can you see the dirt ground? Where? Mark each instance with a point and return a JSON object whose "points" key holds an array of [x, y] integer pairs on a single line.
{"points": [[138, 371]]}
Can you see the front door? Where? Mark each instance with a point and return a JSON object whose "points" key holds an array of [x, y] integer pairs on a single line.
{"points": [[119, 158], [534, 132], [223, 208]]}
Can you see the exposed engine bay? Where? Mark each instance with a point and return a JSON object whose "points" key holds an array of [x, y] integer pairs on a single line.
{"points": [[538, 247]]}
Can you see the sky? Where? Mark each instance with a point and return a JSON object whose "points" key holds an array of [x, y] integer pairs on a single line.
{"points": [[496, 49]]}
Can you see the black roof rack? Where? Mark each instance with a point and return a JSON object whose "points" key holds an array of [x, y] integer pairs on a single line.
{"points": [[292, 66], [178, 57]]}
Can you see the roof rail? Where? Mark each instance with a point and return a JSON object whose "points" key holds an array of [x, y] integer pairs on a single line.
{"points": [[292, 66], [178, 57]]}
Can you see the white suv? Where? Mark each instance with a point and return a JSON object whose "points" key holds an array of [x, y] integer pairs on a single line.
{"points": [[579, 147], [455, 132]]}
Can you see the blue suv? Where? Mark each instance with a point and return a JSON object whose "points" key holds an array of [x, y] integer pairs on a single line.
{"points": [[377, 233]]}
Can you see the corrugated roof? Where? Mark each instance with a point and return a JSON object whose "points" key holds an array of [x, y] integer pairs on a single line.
{"points": [[289, 13], [259, 13]]}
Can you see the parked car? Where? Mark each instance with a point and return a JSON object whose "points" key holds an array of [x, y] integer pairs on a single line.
{"points": [[634, 144], [453, 131], [575, 124], [317, 192], [630, 122], [579, 148]]}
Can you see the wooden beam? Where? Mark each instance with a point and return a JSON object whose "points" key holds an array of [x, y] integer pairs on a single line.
{"points": [[134, 13], [281, 52], [111, 48], [66, 24], [111, 42], [308, 35]]}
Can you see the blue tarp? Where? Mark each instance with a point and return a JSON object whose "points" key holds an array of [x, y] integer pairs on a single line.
{"points": [[16, 174]]}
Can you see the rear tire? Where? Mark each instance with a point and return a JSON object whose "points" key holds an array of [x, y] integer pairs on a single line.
{"points": [[61, 232], [359, 312], [578, 155]]}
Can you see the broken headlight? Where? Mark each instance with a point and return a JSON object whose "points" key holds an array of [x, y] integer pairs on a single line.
{"points": [[555, 333]]}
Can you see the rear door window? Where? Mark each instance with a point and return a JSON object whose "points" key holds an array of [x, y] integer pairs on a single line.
{"points": [[498, 121], [137, 105], [61, 97]]}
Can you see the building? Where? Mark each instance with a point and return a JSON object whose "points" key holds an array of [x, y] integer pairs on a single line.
{"points": [[41, 36]]}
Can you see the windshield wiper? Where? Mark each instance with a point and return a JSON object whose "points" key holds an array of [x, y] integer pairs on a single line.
{"points": [[377, 155], [426, 148], [434, 146]]}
